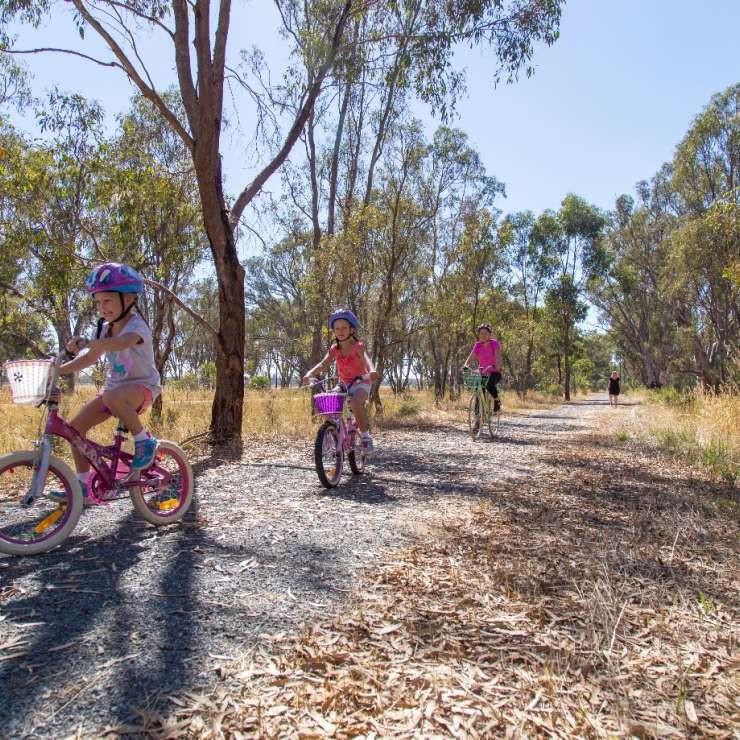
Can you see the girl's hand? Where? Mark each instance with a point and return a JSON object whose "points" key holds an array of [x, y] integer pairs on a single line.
{"points": [[373, 375], [76, 344], [306, 379]]}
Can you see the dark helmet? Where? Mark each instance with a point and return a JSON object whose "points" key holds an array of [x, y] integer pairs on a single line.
{"points": [[346, 314]]}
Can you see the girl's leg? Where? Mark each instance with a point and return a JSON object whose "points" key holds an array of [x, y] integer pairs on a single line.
{"points": [[89, 416], [357, 404], [123, 402]]}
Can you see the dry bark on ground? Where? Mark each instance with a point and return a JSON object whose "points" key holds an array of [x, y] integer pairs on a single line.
{"points": [[598, 598]]}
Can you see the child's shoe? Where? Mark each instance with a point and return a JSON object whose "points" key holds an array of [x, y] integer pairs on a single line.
{"points": [[144, 452], [367, 443]]}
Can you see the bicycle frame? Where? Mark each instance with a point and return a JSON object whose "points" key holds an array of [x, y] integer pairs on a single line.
{"points": [[93, 452]]}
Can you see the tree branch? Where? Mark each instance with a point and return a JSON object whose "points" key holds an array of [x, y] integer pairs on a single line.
{"points": [[184, 307]]}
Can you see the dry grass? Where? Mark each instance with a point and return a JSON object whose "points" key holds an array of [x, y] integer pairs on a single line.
{"points": [[269, 414], [701, 429], [597, 600]]}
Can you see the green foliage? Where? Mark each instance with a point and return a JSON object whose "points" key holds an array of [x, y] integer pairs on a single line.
{"points": [[259, 382]]}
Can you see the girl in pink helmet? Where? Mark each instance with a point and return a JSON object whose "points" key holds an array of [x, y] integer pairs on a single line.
{"points": [[132, 381], [353, 363]]}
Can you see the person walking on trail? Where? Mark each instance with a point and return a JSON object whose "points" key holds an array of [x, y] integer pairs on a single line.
{"points": [[132, 381], [488, 353], [353, 365], [614, 389]]}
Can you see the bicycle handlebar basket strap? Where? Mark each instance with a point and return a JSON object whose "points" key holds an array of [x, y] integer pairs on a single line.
{"points": [[28, 379], [474, 381], [329, 403]]}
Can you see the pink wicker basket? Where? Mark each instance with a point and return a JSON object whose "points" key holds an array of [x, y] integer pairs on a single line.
{"points": [[329, 403]]}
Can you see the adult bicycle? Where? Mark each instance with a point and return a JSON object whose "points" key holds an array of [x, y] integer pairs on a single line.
{"points": [[338, 436], [40, 497], [481, 414]]}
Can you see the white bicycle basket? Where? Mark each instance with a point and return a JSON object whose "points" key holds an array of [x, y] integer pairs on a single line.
{"points": [[28, 379]]}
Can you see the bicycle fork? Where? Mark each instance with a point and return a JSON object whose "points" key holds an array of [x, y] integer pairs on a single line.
{"points": [[40, 469]]}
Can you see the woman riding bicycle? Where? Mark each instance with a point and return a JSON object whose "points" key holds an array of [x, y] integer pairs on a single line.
{"points": [[488, 353], [353, 363], [132, 381]]}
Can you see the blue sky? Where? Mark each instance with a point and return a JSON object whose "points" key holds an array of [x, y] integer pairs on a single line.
{"points": [[606, 107]]}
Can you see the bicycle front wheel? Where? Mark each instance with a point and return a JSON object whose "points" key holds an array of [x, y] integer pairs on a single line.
{"points": [[474, 415], [328, 455], [47, 521], [166, 491]]}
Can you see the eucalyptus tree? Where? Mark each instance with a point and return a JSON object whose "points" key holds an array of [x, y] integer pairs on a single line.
{"points": [[530, 255], [707, 241]]}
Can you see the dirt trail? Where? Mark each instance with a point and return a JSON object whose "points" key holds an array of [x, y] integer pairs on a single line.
{"points": [[124, 610]]}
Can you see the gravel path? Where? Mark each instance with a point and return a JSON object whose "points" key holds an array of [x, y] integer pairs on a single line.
{"points": [[124, 610]]}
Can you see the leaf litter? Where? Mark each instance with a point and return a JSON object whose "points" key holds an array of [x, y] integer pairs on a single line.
{"points": [[596, 597]]}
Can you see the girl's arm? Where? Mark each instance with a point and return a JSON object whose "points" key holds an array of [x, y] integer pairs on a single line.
{"points": [[467, 361], [317, 369], [497, 356], [95, 349], [369, 367]]}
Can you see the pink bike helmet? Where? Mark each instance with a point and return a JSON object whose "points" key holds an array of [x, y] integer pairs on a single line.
{"points": [[114, 277]]}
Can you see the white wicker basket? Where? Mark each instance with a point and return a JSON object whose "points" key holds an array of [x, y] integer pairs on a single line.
{"points": [[28, 379]]}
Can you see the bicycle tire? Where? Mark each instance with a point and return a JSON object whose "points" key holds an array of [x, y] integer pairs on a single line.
{"points": [[47, 522], [327, 439], [357, 458], [472, 415], [159, 506]]}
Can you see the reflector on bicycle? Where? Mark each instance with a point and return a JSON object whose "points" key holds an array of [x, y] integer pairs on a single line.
{"points": [[28, 379]]}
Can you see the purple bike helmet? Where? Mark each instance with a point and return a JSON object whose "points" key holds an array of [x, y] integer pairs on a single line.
{"points": [[114, 277], [347, 315]]}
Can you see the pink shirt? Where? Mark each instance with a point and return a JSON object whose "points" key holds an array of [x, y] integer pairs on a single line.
{"points": [[351, 366], [487, 354]]}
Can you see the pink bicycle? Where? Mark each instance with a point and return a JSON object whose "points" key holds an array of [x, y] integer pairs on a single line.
{"points": [[40, 497], [337, 436]]}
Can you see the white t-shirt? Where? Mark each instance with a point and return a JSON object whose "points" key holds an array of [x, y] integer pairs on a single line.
{"points": [[135, 364]]}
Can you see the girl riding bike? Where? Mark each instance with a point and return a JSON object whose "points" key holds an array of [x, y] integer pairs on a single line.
{"points": [[132, 381], [352, 362], [488, 352]]}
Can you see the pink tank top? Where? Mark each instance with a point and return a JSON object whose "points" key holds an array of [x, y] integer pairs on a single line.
{"points": [[351, 366]]}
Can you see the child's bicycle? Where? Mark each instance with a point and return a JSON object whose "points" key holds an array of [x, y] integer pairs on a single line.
{"points": [[40, 497], [338, 435], [480, 410]]}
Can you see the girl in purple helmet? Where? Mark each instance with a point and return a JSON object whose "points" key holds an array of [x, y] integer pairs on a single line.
{"points": [[132, 381], [352, 363]]}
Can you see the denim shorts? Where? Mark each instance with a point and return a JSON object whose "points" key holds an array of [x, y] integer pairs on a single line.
{"points": [[359, 387]]}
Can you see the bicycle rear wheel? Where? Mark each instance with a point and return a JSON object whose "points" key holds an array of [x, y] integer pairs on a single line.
{"points": [[166, 491], [328, 455], [48, 521]]}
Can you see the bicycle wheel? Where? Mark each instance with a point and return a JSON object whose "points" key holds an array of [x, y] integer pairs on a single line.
{"points": [[166, 491], [328, 456], [473, 414], [357, 456], [47, 522]]}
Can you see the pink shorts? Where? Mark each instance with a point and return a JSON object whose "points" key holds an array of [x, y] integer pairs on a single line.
{"points": [[145, 404]]}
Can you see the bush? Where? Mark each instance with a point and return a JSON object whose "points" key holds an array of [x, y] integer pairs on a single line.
{"points": [[259, 382]]}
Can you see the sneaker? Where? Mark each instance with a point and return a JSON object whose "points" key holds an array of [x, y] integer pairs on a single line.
{"points": [[496, 405], [61, 496], [367, 444], [144, 452]]}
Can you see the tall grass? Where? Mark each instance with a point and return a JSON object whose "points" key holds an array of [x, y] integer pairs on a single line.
{"points": [[268, 414], [703, 429]]}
